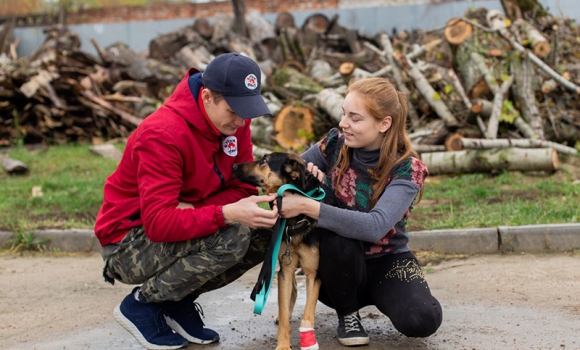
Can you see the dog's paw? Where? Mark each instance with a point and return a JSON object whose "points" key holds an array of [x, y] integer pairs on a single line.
{"points": [[284, 348]]}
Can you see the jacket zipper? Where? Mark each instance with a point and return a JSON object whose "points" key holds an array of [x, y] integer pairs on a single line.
{"points": [[215, 167]]}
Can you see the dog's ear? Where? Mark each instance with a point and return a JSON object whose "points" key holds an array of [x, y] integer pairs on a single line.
{"points": [[297, 172]]}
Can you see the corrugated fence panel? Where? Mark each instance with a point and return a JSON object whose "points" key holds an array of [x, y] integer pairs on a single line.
{"points": [[367, 19]]}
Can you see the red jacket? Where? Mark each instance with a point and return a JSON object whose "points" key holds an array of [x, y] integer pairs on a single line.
{"points": [[175, 155]]}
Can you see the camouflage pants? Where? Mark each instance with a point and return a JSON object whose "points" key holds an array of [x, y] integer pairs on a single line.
{"points": [[171, 271]]}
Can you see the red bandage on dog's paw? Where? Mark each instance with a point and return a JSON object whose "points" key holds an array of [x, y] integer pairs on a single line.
{"points": [[307, 339]]}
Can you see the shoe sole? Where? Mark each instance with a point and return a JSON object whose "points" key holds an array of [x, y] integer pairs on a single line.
{"points": [[131, 328], [354, 341], [179, 330]]}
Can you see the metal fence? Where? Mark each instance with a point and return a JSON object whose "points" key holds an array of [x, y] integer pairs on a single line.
{"points": [[367, 19]]}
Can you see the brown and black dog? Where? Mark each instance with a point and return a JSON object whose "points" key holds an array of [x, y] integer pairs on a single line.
{"points": [[299, 246]]}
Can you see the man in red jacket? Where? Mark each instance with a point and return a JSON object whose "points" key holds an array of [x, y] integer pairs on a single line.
{"points": [[173, 219]]}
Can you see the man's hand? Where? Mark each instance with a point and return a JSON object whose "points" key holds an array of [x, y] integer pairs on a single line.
{"points": [[247, 212]]}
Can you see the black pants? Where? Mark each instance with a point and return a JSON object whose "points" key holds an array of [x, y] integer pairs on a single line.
{"points": [[393, 283]]}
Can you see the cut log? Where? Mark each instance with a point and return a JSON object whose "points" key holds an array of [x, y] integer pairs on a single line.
{"points": [[549, 86], [346, 68], [331, 102], [426, 90], [290, 82], [524, 97], [493, 123], [292, 125], [203, 27], [284, 20], [494, 160], [13, 166], [428, 148], [497, 21], [135, 121], [538, 42], [482, 107], [453, 142], [473, 67], [107, 151], [520, 143], [385, 42], [456, 31]]}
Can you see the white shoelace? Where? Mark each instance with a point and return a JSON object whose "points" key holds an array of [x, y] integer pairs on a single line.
{"points": [[352, 323]]}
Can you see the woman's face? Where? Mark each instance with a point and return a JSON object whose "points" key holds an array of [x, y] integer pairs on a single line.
{"points": [[360, 128]]}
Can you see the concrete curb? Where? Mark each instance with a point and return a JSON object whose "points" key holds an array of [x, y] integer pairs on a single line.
{"points": [[555, 237]]}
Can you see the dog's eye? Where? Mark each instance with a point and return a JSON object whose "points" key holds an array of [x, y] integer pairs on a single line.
{"points": [[262, 161]]}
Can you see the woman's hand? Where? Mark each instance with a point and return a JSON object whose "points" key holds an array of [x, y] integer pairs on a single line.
{"points": [[247, 212], [315, 171], [295, 204]]}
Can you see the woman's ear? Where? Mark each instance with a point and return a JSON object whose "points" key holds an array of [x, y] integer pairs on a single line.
{"points": [[386, 123]]}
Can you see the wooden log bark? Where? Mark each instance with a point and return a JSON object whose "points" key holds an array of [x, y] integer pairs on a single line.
{"points": [[497, 22], [13, 166], [524, 97], [538, 42], [493, 123], [494, 160], [292, 124], [385, 42], [474, 68], [331, 102], [427, 148], [426, 90], [456, 31], [520, 143]]}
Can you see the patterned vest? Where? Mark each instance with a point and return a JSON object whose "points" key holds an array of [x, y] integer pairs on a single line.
{"points": [[354, 192]]}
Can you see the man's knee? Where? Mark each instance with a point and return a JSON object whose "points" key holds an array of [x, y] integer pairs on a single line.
{"points": [[235, 240]]}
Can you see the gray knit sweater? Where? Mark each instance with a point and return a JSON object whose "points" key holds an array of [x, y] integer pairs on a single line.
{"points": [[382, 228]]}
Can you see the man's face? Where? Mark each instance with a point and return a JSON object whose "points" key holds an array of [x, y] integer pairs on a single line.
{"points": [[221, 115]]}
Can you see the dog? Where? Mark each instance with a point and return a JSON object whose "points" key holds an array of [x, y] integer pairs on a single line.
{"points": [[300, 242]]}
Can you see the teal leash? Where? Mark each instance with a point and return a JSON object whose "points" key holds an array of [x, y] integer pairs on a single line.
{"points": [[261, 297]]}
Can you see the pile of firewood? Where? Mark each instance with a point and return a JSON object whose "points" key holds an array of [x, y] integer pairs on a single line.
{"points": [[484, 93]]}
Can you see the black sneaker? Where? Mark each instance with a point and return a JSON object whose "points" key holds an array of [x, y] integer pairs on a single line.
{"points": [[146, 323], [184, 317], [351, 331]]}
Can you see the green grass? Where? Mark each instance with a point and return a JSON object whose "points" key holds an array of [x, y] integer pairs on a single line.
{"points": [[72, 179], [510, 199]]}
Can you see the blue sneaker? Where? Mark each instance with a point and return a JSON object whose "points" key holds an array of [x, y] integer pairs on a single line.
{"points": [[146, 323], [184, 317]]}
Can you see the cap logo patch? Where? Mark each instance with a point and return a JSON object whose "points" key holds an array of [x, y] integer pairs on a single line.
{"points": [[230, 146], [251, 82]]}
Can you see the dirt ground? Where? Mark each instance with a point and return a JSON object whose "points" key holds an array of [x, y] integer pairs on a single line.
{"points": [[519, 301]]}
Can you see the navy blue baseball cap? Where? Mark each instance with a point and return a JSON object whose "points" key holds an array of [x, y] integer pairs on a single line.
{"points": [[237, 78]]}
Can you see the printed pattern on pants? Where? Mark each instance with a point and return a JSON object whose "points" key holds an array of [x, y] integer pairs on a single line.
{"points": [[171, 271]]}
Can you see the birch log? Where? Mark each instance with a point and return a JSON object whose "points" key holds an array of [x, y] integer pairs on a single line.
{"points": [[524, 96], [331, 102], [13, 166], [538, 42], [485, 161], [496, 21], [493, 123], [520, 143], [426, 89], [385, 42]]}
